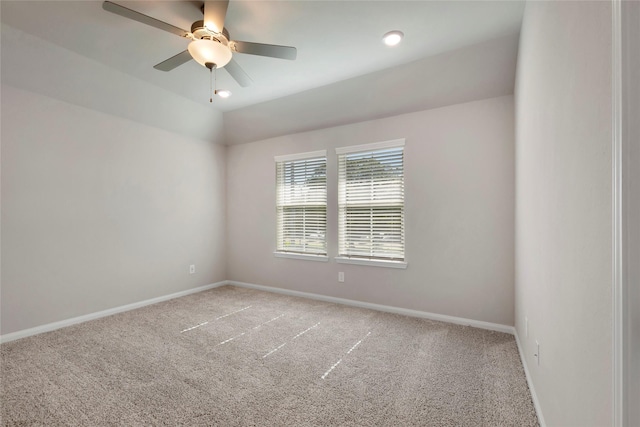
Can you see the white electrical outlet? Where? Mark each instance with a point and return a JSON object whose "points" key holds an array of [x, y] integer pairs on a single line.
{"points": [[537, 353], [192, 269], [526, 326], [341, 277]]}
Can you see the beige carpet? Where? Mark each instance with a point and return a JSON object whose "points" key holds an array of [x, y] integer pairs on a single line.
{"points": [[238, 357]]}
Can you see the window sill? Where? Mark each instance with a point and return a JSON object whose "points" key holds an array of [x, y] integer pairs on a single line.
{"points": [[308, 257], [372, 262]]}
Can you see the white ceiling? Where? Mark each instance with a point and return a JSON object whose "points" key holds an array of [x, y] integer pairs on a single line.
{"points": [[481, 71], [336, 40], [453, 52]]}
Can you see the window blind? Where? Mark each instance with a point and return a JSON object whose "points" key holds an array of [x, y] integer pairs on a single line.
{"points": [[301, 203], [371, 201]]}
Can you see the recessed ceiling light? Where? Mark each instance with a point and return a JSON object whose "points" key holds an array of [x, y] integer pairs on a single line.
{"points": [[223, 93], [392, 38]]}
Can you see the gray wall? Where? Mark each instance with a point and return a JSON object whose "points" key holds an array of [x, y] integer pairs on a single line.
{"points": [[563, 208], [99, 211], [459, 213]]}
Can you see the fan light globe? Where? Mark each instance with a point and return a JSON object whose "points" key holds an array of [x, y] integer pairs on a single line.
{"points": [[204, 51]]}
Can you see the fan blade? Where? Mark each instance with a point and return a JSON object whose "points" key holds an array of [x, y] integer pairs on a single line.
{"points": [[137, 16], [214, 14], [272, 50], [236, 71], [174, 61]]}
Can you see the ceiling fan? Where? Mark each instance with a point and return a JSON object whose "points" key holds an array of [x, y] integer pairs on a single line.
{"points": [[211, 45]]}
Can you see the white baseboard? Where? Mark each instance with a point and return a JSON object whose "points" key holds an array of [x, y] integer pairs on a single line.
{"points": [[379, 307], [75, 320], [397, 310], [534, 396]]}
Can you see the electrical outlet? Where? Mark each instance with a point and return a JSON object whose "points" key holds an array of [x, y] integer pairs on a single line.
{"points": [[192, 269], [341, 277], [537, 353], [526, 326]]}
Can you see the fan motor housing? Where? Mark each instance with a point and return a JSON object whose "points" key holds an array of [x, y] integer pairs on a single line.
{"points": [[199, 31]]}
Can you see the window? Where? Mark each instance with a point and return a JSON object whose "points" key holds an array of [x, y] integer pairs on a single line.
{"points": [[371, 203], [301, 204]]}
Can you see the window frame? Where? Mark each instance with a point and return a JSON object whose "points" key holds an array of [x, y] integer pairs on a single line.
{"points": [[379, 261], [280, 252]]}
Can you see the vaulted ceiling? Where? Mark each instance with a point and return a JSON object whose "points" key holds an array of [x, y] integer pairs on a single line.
{"points": [[453, 51]]}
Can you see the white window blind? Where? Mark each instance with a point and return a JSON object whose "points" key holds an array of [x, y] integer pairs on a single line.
{"points": [[301, 203], [371, 201]]}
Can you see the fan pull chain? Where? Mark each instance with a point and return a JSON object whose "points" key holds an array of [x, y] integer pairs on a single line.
{"points": [[215, 82], [211, 66]]}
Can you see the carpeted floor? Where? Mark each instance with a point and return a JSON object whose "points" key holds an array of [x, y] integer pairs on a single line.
{"points": [[239, 357]]}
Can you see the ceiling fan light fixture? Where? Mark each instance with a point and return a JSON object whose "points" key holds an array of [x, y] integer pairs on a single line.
{"points": [[392, 38], [206, 51], [223, 93]]}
